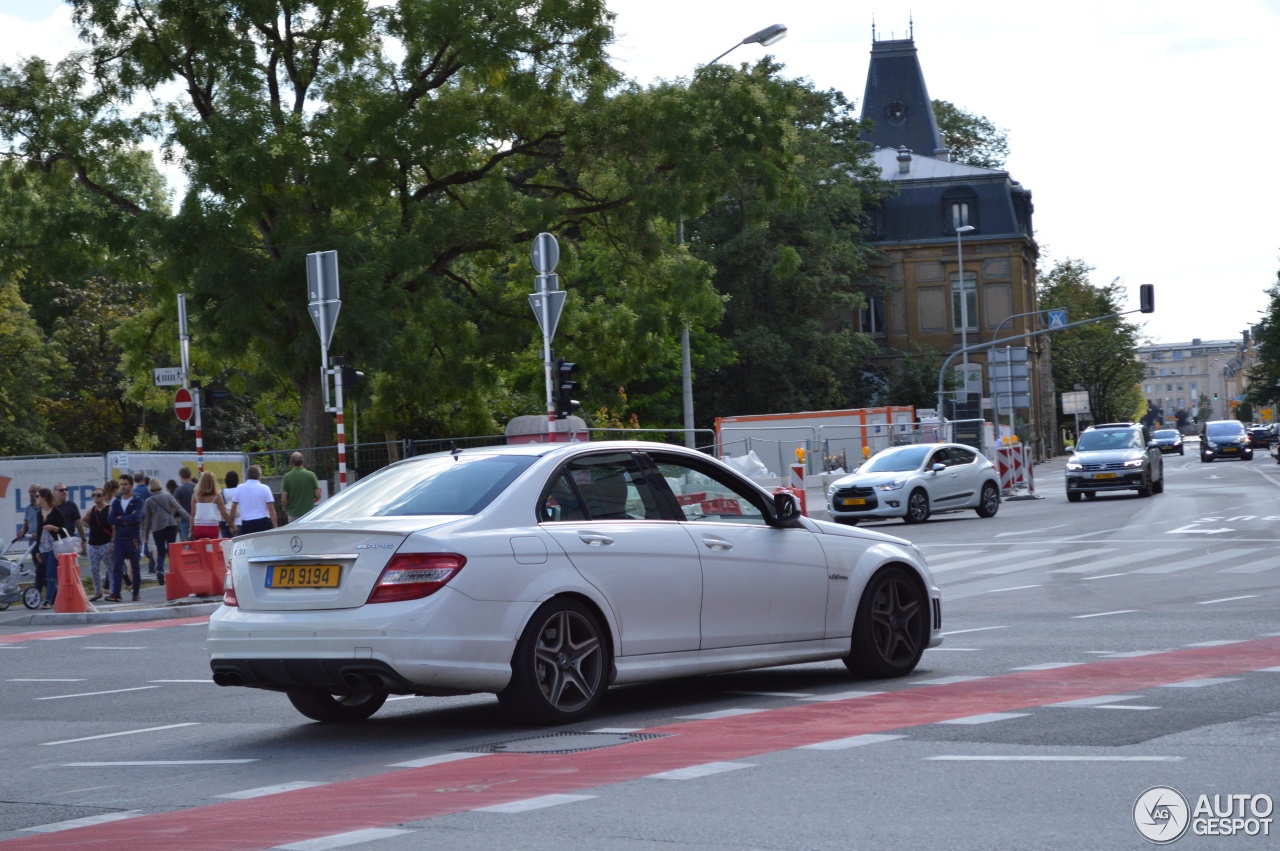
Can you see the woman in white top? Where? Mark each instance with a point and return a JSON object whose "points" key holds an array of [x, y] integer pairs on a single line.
{"points": [[207, 509]]}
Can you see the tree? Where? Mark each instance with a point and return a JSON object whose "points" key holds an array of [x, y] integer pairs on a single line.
{"points": [[972, 139], [1264, 376], [1102, 355], [25, 372]]}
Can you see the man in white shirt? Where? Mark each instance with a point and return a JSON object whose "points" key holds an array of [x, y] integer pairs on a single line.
{"points": [[255, 507]]}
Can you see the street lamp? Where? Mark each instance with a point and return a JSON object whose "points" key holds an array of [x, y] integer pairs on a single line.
{"points": [[964, 306], [769, 35]]}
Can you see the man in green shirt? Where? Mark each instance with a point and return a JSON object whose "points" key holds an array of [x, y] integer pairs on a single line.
{"points": [[299, 489]]}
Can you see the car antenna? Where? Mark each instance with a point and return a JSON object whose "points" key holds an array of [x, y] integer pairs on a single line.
{"points": [[453, 448]]}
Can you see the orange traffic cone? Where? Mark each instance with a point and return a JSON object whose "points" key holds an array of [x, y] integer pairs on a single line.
{"points": [[71, 598]]}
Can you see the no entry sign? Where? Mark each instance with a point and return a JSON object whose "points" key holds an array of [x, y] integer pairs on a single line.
{"points": [[182, 404]]}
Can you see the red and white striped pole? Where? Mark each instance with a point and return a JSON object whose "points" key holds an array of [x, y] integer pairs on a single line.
{"points": [[342, 434]]}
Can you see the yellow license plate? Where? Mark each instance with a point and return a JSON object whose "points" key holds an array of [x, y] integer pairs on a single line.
{"points": [[303, 576], [850, 503], [1227, 450], [1104, 475]]}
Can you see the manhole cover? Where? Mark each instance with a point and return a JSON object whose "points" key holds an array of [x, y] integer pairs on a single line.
{"points": [[564, 742]]}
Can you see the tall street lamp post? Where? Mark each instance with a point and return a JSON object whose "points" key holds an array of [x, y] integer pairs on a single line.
{"points": [[769, 35], [964, 306]]}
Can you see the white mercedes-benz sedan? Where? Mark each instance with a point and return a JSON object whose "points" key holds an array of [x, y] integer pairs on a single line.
{"points": [[544, 573]]}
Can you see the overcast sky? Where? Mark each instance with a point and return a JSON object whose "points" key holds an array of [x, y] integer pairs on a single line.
{"points": [[1144, 128]]}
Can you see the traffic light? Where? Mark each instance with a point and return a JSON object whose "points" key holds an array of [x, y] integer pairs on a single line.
{"points": [[351, 377], [211, 397], [565, 387], [1147, 298]]}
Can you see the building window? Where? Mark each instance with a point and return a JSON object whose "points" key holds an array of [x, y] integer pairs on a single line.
{"points": [[970, 309], [959, 208], [871, 317], [959, 214]]}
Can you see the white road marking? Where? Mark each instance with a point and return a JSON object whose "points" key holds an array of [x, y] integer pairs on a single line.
{"points": [[1211, 558], [1056, 758], [1252, 568], [975, 629], [771, 693], [1130, 654], [843, 695], [1053, 559], [123, 733], [263, 791], [402, 697], [616, 730], [1124, 559], [723, 713], [208, 680], [1201, 683], [1014, 588], [850, 742], [1105, 576], [705, 770], [60, 637], [1127, 706], [1097, 700], [985, 718], [945, 681], [438, 759], [954, 649], [95, 693], [1105, 614], [1215, 643], [157, 763], [1226, 600], [1047, 666], [46, 681], [1033, 531], [1275, 670], [985, 558], [534, 803], [112, 648], [1191, 530], [342, 840], [87, 821]]}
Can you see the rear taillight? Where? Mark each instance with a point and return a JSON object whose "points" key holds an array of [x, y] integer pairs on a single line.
{"points": [[229, 591], [412, 576]]}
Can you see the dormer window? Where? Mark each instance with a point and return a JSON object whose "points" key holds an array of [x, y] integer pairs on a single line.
{"points": [[959, 208]]}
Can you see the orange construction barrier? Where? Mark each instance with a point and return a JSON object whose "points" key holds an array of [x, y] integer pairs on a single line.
{"points": [[71, 598], [190, 570]]}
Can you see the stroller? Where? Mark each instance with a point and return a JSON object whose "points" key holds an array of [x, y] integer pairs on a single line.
{"points": [[12, 577]]}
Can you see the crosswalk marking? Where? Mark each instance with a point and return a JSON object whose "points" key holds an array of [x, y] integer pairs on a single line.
{"points": [[983, 558], [1001, 561], [1211, 558], [1053, 559], [1122, 559]]}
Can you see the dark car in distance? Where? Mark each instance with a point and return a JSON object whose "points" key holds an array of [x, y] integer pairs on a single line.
{"points": [[1259, 436], [1224, 439], [1169, 441]]}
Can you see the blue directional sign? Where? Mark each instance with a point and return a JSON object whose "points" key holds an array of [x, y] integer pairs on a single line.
{"points": [[1057, 317]]}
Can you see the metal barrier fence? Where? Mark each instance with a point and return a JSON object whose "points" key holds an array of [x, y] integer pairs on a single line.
{"points": [[777, 451]]}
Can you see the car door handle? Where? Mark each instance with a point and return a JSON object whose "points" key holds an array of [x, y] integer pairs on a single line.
{"points": [[716, 543], [593, 540]]}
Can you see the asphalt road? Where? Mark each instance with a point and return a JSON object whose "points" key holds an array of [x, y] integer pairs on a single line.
{"points": [[1094, 650]]}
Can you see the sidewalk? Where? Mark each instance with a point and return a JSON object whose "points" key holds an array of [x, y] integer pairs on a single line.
{"points": [[151, 606]]}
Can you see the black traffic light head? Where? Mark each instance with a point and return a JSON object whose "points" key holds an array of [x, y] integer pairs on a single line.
{"points": [[564, 387], [351, 377], [1147, 298]]}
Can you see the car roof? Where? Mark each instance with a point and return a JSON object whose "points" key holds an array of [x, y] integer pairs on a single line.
{"points": [[550, 449]]}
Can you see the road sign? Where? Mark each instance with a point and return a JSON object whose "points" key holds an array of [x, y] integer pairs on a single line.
{"points": [[546, 254], [183, 406], [167, 376], [322, 292], [1057, 317], [555, 305]]}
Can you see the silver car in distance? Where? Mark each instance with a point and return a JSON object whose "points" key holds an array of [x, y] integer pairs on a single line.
{"points": [[545, 573]]}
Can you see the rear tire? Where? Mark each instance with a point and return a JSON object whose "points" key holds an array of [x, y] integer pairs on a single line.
{"points": [[989, 502], [917, 507], [336, 708], [559, 672], [892, 626]]}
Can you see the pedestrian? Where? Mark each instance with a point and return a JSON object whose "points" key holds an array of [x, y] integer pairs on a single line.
{"points": [[255, 506], [229, 500], [31, 530], [100, 532], [142, 492], [160, 514], [110, 489], [53, 525], [186, 488], [209, 512], [126, 518], [70, 513], [299, 489]]}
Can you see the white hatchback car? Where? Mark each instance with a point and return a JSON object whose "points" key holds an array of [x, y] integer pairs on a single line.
{"points": [[913, 482], [545, 573]]}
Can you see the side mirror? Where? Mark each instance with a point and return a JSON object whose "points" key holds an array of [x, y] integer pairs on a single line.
{"points": [[785, 508], [938, 468]]}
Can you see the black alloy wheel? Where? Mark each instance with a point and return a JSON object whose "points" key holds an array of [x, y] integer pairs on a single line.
{"points": [[892, 626], [559, 671], [319, 705]]}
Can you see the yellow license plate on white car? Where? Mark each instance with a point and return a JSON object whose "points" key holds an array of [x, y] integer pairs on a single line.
{"points": [[1104, 475], [303, 575], [852, 503]]}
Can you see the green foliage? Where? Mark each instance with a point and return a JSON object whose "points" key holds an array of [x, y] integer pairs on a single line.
{"points": [[916, 381], [26, 371], [972, 139], [1264, 376], [1100, 356]]}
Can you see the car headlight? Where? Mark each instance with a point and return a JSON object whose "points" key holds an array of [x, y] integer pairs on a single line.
{"points": [[1075, 466], [1136, 463], [892, 486], [1211, 444], [831, 490]]}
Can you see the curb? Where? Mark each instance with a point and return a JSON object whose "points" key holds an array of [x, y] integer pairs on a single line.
{"points": [[138, 615]]}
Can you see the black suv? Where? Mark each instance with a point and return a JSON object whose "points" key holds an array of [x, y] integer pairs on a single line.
{"points": [[1114, 456], [1224, 439]]}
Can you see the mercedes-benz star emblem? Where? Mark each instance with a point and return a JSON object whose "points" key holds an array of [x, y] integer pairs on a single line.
{"points": [[295, 544]]}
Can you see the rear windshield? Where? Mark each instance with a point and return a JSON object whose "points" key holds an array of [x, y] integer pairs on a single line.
{"points": [[440, 485], [1224, 429]]}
